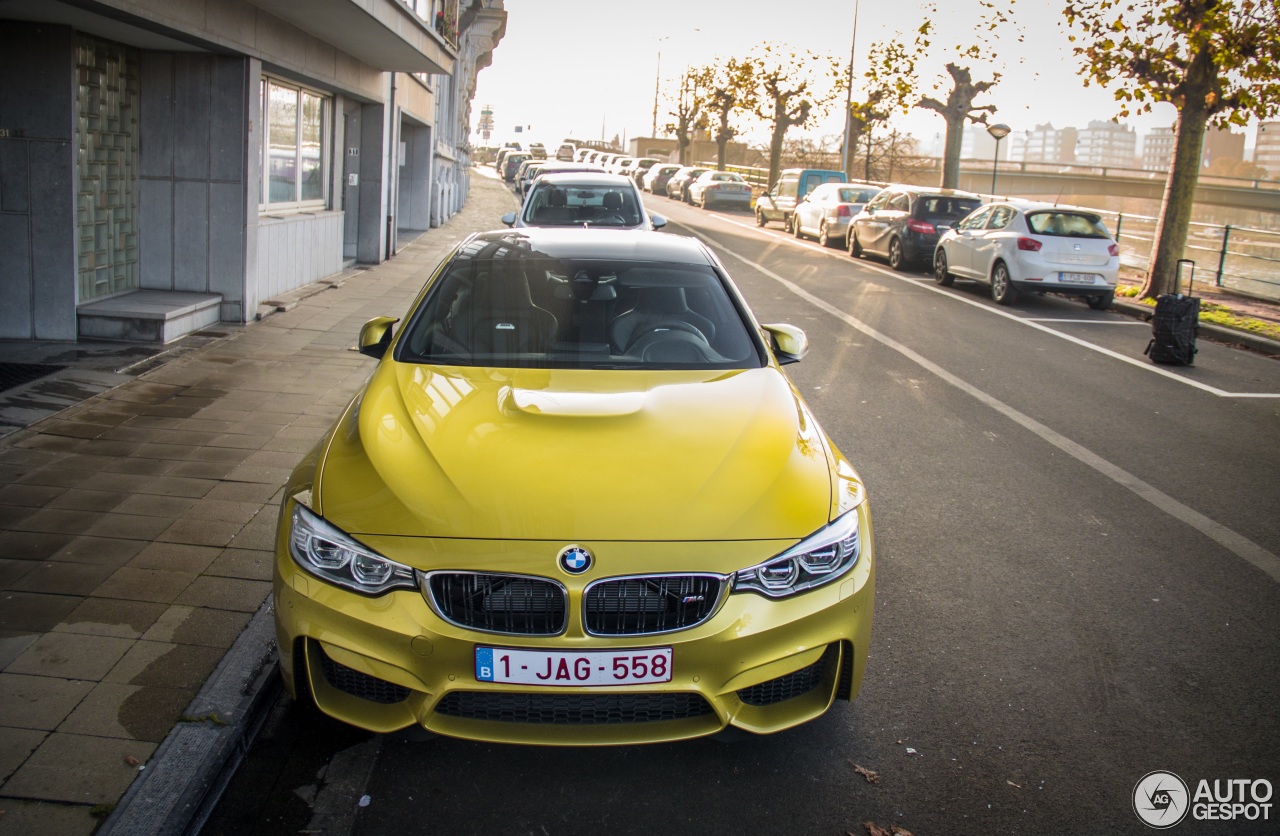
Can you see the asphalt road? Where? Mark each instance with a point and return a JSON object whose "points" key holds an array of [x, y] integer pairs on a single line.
{"points": [[1077, 585]]}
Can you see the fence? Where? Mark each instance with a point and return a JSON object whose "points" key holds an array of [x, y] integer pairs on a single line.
{"points": [[1239, 258]]}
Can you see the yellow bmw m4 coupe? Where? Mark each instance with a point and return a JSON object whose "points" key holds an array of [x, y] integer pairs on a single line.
{"points": [[578, 502]]}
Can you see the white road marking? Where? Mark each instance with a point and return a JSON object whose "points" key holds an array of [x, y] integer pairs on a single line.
{"points": [[927, 284], [1234, 542]]}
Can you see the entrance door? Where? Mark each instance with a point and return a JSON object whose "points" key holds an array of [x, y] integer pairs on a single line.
{"points": [[106, 168]]}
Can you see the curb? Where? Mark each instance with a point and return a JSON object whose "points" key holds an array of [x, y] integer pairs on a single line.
{"points": [[1207, 329], [185, 778]]}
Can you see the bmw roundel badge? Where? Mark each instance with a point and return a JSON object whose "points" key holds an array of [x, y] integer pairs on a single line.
{"points": [[575, 560]]}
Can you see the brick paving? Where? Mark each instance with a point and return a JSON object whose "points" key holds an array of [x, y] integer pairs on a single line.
{"points": [[136, 531]]}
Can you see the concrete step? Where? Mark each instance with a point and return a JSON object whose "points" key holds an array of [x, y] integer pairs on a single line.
{"points": [[159, 316]]}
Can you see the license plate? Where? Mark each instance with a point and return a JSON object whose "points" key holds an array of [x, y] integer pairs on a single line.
{"points": [[1075, 278], [580, 669]]}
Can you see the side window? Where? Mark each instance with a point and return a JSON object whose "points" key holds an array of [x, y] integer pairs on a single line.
{"points": [[811, 182], [787, 187], [977, 220], [1000, 217], [879, 201], [901, 203]]}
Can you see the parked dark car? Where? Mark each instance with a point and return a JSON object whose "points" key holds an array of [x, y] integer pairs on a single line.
{"points": [[904, 223], [512, 164], [678, 185]]}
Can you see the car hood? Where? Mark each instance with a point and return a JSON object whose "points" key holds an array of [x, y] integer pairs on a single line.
{"points": [[576, 455]]}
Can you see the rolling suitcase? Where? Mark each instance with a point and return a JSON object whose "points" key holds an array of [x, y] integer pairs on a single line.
{"points": [[1175, 324]]}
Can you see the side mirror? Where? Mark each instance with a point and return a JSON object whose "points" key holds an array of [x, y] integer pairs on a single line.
{"points": [[509, 219], [375, 336], [657, 221], [788, 343]]}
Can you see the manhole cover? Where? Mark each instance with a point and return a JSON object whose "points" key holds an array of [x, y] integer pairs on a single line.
{"points": [[16, 374]]}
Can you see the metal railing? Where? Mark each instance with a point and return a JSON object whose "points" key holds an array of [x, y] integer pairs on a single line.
{"points": [[1238, 258]]}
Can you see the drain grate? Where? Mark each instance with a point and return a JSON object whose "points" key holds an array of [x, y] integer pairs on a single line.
{"points": [[16, 374]]}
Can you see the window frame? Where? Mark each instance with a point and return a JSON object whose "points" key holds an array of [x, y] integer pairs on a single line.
{"points": [[265, 205]]}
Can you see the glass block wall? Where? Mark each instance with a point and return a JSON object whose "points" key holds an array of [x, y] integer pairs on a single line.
{"points": [[106, 168]]}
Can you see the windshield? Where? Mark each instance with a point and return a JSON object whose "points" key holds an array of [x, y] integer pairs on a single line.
{"points": [[857, 195], [1068, 224], [946, 207], [527, 310], [569, 205]]}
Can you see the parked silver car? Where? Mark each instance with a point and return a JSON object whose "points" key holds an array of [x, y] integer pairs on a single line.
{"points": [[720, 188], [826, 211]]}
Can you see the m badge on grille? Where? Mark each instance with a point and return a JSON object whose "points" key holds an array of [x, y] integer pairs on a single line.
{"points": [[575, 560]]}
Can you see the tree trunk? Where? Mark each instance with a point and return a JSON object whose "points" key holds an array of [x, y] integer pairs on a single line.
{"points": [[951, 154], [775, 150], [1179, 196]]}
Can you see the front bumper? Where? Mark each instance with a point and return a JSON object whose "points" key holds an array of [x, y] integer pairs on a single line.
{"points": [[390, 662]]}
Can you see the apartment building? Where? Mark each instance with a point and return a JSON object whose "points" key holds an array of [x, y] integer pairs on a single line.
{"points": [[1266, 149], [1107, 144], [168, 164], [1219, 143], [1044, 144]]}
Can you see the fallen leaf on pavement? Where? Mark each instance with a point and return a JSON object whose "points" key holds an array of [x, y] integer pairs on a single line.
{"points": [[875, 830], [872, 777], [131, 760], [900, 831], [1010, 783]]}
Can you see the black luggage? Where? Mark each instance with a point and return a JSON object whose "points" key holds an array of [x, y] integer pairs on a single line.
{"points": [[1173, 328]]}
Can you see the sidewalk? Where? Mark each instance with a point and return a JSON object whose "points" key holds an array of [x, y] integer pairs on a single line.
{"points": [[136, 536]]}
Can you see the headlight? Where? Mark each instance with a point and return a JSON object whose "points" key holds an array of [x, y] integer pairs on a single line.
{"points": [[820, 558], [332, 556]]}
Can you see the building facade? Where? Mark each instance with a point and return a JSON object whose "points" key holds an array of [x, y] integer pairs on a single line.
{"points": [[1158, 145], [167, 164], [1266, 149], [1044, 144], [1107, 144]]}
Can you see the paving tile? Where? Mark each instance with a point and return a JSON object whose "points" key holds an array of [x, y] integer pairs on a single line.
{"points": [[33, 612], [150, 505], [12, 516], [74, 429], [248, 441], [70, 656], [264, 475], [272, 459], [248, 564], [244, 492], [296, 446], [60, 578], [32, 496], [13, 644], [198, 625], [39, 702], [257, 535], [40, 441], [31, 545], [128, 526], [175, 557], [11, 571], [78, 499], [200, 532], [15, 745], [166, 665], [149, 467], [162, 451], [57, 521], [104, 551], [225, 594], [202, 470], [178, 486], [113, 449], [220, 455], [111, 617], [129, 711], [43, 818], [79, 768], [219, 510], [144, 585]]}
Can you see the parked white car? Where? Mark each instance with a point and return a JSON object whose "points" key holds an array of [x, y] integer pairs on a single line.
{"points": [[1022, 246], [825, 212]]}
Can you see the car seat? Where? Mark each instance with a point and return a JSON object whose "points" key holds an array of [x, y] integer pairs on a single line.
{"points": [[658, 307]]}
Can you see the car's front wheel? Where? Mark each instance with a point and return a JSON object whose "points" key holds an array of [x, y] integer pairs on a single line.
{"points": [[896, 258], [940, 273], [1002, 288], [855, 246], [1101, 303]]}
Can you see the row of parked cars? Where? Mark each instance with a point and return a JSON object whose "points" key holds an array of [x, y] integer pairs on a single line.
{"points": [[1012, 245]]}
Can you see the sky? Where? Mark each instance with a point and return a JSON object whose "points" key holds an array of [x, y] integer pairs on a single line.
{"points": [[587, 69]]}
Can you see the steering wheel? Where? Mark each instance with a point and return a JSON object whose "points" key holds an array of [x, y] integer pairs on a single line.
{"points": [[667, 325], [618, 219]]}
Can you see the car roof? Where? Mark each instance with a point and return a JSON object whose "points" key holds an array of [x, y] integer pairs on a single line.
{"points": [[604, 244], [591, 177], [926, 190]]}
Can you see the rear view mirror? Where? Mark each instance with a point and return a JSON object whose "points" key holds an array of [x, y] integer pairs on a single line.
{"points": [[375, 336], [657, 221], [509, 219], [788, 343]]}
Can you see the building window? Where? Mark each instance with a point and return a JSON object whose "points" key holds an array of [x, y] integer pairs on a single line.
{"points": [[295, 147]]}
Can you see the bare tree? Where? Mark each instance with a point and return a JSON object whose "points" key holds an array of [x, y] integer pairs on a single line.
{"points": [[790, 86]]}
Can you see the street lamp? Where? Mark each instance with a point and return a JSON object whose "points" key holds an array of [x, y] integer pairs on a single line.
{"points": [[999, 131], [846, 153]]}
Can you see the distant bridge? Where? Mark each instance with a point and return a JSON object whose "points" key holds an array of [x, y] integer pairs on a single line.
{"points": [[1052, 179]]}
